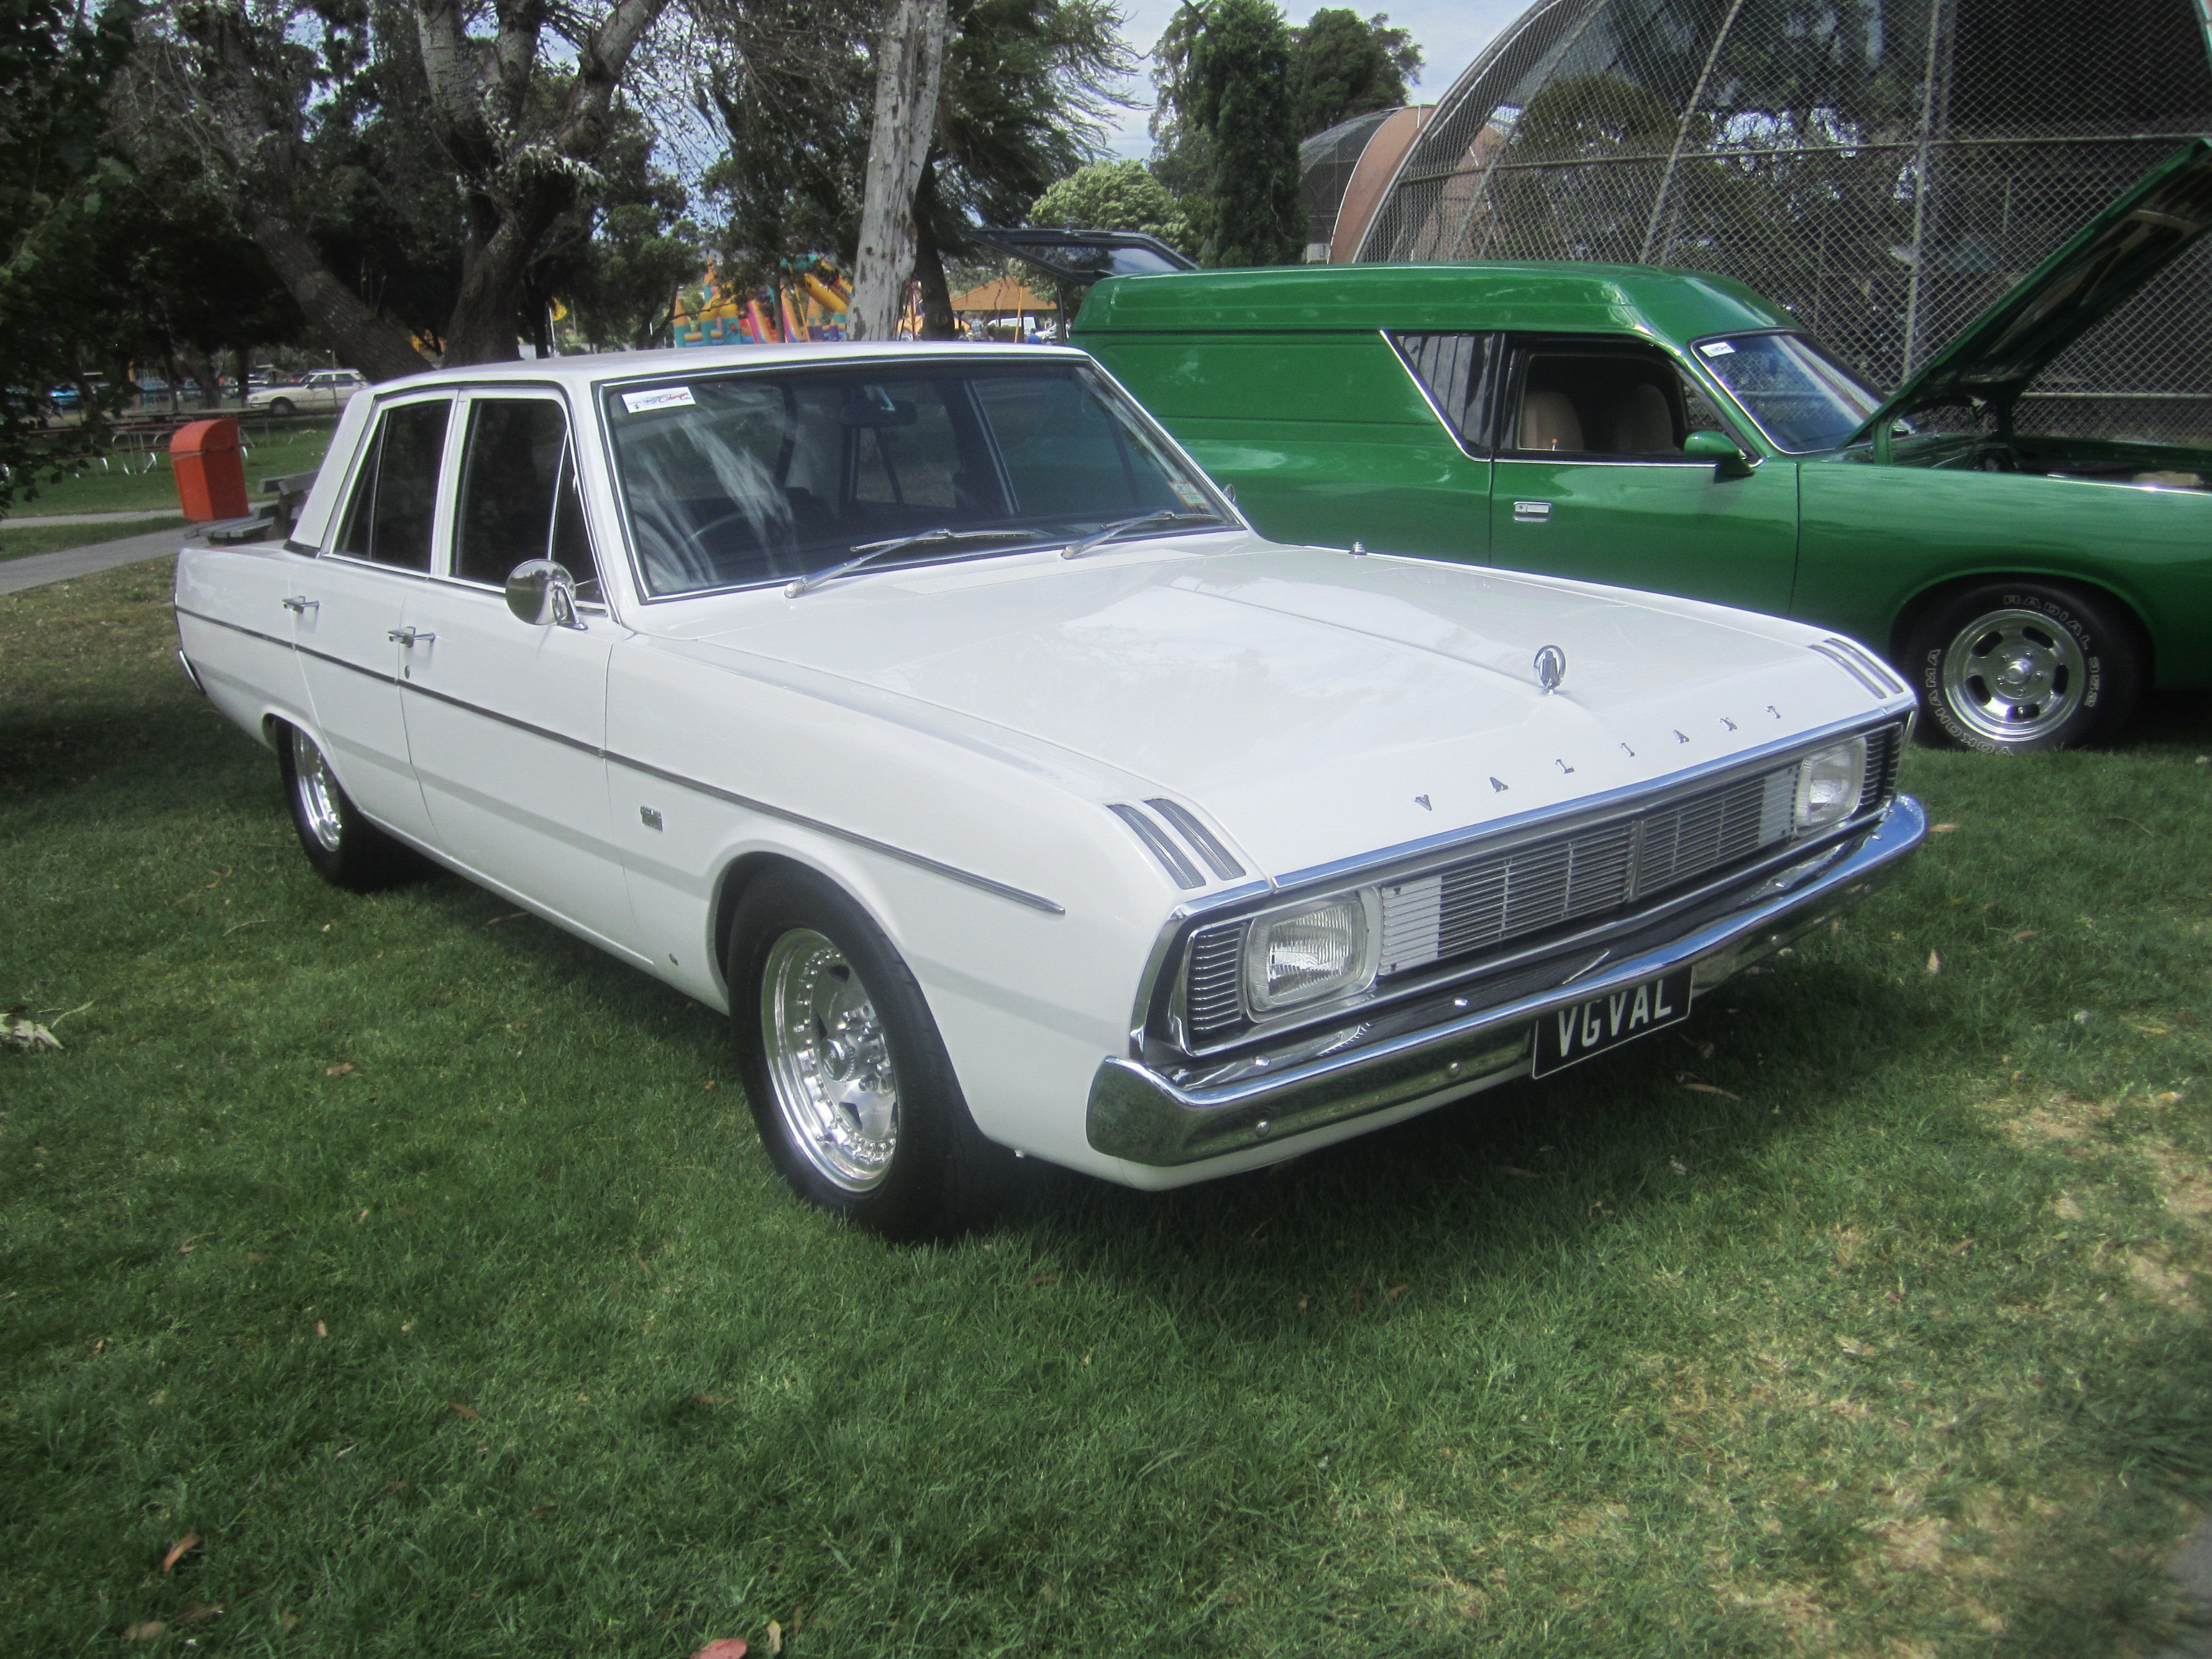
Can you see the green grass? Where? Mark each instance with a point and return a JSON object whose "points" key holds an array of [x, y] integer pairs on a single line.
{"points": [[423, 1263], [274, 452], [19, 540]]}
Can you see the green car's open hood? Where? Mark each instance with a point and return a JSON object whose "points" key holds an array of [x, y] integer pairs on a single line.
{"points": [[2000, 352]]}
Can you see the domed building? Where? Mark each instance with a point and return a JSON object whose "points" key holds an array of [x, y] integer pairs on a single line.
{"points": [[1884, 169]]}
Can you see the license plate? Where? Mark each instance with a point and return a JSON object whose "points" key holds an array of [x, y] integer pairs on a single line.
{"points": [[1566, 1037]]}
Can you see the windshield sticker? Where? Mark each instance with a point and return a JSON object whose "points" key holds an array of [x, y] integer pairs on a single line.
{"points": [[1718, 349], [662, 397], [1191, 493]]}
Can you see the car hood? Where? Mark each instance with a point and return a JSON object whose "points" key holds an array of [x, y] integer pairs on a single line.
{"points": [[1313, 705], [1996, 356]]}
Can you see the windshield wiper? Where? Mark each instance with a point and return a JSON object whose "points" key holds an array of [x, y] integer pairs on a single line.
{"points": [[868, 552], [1106, 534]]}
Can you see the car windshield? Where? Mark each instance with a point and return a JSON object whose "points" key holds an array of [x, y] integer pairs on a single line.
{"points": [[736, 477], [1802, 397]]}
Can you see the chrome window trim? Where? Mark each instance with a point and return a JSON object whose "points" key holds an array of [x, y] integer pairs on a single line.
{"points": [[342, 511], [1685, 363], [1409, 859], [1435, 409], [1732, 335]]}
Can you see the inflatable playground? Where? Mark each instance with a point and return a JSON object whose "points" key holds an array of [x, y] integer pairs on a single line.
{"points": [[807, 302]]}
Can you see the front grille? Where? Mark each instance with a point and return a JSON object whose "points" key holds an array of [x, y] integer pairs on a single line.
{"points": [[1494, 900]]}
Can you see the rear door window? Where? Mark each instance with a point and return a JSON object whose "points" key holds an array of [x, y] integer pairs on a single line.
{"points": [[395, 500]]}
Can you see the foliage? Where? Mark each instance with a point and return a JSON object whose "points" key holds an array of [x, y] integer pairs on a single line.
{"points": [[1342, 67], [1238, 67], [1114, 196], [56, 175], [396, 1246], [618, 257]]}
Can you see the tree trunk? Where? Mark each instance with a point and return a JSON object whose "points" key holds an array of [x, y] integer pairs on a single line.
{"points": [[376, 345], [938, 322], [909, 63]]}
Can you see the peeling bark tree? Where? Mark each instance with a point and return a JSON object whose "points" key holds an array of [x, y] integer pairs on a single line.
{"points": [[521, 138], [909, 63]]}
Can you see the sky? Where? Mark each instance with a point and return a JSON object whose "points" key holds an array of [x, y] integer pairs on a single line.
{"points": [[1451, 33]]}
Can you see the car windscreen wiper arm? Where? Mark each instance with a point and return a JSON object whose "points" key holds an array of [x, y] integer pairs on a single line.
{"points": [[868, 552], [1106, 534]]}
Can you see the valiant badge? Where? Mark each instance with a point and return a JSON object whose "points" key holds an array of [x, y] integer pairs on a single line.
{"points": [[1550, 669]]}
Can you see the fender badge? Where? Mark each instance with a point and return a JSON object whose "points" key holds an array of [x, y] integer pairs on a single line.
{"points": [[1550, 669]]}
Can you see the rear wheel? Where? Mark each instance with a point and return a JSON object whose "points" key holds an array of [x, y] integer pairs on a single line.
{"points": [[346, 849], [281, 406], [2019, 666], [851, 1088]]}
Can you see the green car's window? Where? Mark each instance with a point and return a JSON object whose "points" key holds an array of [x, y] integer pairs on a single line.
{"points": [[1618, 404], [1802, 397], [736, 477], [1456, 371]]}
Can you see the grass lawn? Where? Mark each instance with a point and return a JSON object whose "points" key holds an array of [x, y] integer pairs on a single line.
{"points": [[121, 486], [19, 540], [421, 1265]]}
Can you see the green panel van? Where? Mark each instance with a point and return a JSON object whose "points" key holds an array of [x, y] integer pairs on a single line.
{"points": [[1671, 430]]}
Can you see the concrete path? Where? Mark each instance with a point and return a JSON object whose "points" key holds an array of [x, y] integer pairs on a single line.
{"points": [[38, 568], [2193, 1568], [22, 520]]}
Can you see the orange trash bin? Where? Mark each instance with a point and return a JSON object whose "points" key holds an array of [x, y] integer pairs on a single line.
{"points": [[210, 471]]}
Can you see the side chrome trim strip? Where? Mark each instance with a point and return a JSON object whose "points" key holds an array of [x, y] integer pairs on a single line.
{"points": [[1180, 869], [1216, 855], [235, 628], [951, 872]]}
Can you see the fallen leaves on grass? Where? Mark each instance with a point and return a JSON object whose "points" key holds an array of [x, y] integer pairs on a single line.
{"points": [[512, 916], [321, 1329], [775, 1639], [1940, 829], [180, 1550], [1709, 1089], [197, 1613], [19, 1030], [1396, 1292], [1934, 963], [1516, 1172], [1043, 1278], [469, 1411], [146, 1632], [338, 1070], [730, 1647]]}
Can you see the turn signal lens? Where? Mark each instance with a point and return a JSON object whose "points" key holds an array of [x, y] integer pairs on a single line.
{"points": [[1829, 785], [1317, 951]]}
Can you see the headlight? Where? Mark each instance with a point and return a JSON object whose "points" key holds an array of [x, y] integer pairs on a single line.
{"points": [[1325, 949], [1829, 785]]}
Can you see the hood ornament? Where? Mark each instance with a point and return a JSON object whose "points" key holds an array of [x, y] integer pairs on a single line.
{"points": [[1550, 669]]}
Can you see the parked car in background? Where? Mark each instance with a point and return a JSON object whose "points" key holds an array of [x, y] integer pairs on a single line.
{"points": [[1664, 429], [928, 709], [321, 392]]}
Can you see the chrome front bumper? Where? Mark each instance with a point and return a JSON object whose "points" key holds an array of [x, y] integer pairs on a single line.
{"points": [[1137, 1113]]}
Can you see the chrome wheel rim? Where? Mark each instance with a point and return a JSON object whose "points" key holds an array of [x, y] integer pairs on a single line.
{"points": [[828, 1061], [2015, 675], [317, 792]]}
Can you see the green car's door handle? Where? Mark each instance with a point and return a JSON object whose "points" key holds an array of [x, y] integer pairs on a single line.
{"points": [[1532, 511]]}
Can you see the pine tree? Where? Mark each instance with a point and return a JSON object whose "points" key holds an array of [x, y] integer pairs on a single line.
{"points": [[1239, 72]]}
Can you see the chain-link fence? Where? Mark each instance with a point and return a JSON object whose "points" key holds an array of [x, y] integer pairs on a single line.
{"points": [[1884, 169]]}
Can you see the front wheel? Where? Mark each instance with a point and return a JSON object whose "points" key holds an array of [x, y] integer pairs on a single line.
{"points": [[346, 849], [282, 407], [850, 1086], [2017, 666]]}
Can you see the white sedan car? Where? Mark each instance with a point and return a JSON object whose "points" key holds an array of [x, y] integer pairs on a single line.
{"points": [[320, 393], [929, 710]]}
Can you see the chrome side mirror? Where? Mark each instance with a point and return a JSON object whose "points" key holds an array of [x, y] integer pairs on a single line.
{"points": [[1729, 461], [544, 594]]}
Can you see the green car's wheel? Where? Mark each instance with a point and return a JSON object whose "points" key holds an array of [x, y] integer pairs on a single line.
{"points": [[2015, 666], [851, 1088]]}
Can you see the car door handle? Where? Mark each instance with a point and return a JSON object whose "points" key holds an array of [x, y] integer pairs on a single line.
{"points": [[409, 637], [1532, 511], [300, 604]]}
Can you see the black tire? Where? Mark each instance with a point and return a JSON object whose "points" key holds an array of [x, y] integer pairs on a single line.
{"points": [[2016, 667], [346, 849], [912, 1168], [281, 407]]}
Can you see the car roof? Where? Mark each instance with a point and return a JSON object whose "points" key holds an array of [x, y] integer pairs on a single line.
{"points": [[1538, 295], [601, 367]]}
